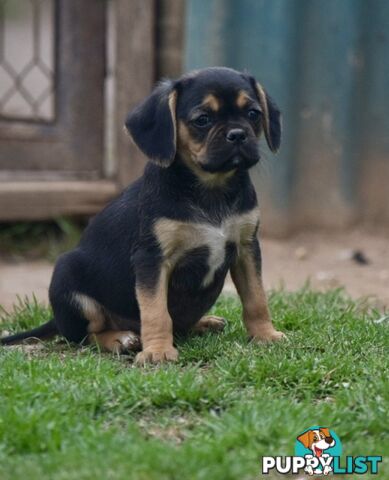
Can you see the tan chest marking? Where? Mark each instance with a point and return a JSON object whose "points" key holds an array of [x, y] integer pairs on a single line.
{"points": [[178, 237]]}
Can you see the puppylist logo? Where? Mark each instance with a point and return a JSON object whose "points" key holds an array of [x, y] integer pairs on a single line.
{"points": [[318, 452]]}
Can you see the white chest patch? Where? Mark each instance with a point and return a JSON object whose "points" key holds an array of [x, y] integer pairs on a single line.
{"points": [[177, 237]]}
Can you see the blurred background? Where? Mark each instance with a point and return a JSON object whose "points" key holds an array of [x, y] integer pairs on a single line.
{"points": [[70, 70]]}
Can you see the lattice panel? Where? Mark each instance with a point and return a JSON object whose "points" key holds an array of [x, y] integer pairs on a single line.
{"points": [[27, 59]]}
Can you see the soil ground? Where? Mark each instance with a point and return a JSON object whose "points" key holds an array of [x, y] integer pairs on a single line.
{"points": [[323, 259]]}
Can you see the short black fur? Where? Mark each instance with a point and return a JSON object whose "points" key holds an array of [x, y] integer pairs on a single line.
{"points": [[119, 249]]}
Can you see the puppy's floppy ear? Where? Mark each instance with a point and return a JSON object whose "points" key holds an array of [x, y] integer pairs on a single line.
{"points": [[271, 116], [306, 438], [325, 431], [152, 125]]}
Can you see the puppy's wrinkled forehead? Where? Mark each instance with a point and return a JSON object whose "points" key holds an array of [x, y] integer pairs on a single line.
{"points": [[214, 90]]}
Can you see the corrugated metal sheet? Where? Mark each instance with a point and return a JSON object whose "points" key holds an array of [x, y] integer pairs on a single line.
{"points": [[326, 63]]}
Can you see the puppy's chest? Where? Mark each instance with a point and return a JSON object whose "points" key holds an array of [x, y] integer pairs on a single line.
{"points": [[176, 238]]}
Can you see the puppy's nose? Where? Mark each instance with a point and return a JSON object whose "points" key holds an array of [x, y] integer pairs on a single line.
{"points": [[236, 135]]}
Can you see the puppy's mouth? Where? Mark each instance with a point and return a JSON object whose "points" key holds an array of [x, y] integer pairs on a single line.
{"points": [[317, 451], [235, 160]]}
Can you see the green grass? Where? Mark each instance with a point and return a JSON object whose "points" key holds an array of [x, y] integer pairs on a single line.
{"points": [[70, 413]]}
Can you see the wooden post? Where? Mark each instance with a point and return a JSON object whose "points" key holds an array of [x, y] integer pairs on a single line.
{"points": [[134, 77], [170, 20]]}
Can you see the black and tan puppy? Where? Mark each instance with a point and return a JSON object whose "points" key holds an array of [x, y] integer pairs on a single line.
{"points": [[153, 262]]}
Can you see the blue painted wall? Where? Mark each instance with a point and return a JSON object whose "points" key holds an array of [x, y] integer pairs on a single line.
{"points": [[326, 63]]}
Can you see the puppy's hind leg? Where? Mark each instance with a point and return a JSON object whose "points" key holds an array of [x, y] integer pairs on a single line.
{"points": [[77, 315], [70, 321], [101, 327], [209, 323], [116, 341]]}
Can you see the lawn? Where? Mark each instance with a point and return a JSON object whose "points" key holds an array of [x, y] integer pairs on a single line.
{"points": [[69, 413]]}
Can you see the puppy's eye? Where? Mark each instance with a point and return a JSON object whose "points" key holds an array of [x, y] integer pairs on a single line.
{"points": [[254, 115], [202, 120]]}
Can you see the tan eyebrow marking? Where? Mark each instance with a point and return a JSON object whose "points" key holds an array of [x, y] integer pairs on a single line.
{"points": [[242, 99], [212, 102]]}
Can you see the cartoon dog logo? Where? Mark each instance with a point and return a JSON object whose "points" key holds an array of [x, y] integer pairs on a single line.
{"points": [[317, 440]]}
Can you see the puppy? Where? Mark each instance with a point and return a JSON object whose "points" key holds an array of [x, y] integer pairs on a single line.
{"points": [[317, 441], [154, 261]]}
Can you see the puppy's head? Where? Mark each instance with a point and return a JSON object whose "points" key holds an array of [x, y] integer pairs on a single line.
{"points": [[317, 440], [211, 119]]}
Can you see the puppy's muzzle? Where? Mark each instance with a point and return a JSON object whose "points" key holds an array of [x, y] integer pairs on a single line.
{"points": [[236, 136]]}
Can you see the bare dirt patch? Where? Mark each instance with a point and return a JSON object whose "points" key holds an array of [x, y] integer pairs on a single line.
{"points": [[325, 260], [23, 278]]}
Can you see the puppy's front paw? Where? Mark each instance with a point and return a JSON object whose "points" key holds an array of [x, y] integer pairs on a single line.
{"points": [[308, 470], [327, 469], [268, 334], [157, 355]]}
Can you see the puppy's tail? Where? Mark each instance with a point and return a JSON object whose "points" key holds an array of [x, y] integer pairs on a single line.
{"points": [[44, 332]]}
